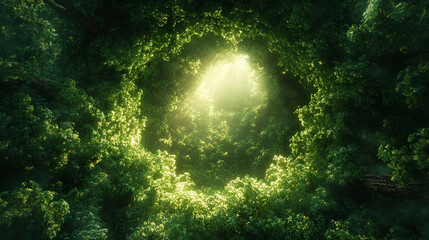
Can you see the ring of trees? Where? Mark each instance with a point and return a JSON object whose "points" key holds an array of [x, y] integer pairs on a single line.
{"points": [[89, 92]]}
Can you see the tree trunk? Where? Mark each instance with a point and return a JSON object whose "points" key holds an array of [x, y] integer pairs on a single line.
{"points": [[382, 184]]}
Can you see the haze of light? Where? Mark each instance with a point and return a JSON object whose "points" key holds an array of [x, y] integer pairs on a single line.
{"points": [[228, 83]]}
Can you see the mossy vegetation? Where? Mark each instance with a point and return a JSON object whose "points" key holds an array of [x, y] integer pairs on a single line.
{"points": [[110, 130]]}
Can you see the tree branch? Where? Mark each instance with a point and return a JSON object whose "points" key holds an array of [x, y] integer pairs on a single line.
{"points": [[66, 9], [37, 84]]}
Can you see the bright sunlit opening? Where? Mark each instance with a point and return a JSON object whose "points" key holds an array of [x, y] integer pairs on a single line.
{"points": [[229, 83]]}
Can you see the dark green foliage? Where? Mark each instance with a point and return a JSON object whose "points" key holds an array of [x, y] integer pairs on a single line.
{"points": [[31, 210], [103, 137]]}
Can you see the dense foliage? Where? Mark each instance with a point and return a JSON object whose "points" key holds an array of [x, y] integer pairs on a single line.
{"points": [[102, 136]]}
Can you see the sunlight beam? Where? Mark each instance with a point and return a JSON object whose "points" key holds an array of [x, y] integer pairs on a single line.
{"points": [[228, 83]]}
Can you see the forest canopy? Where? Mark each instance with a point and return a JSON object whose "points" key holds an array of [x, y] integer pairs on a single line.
{"points": [[227, 119]]}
